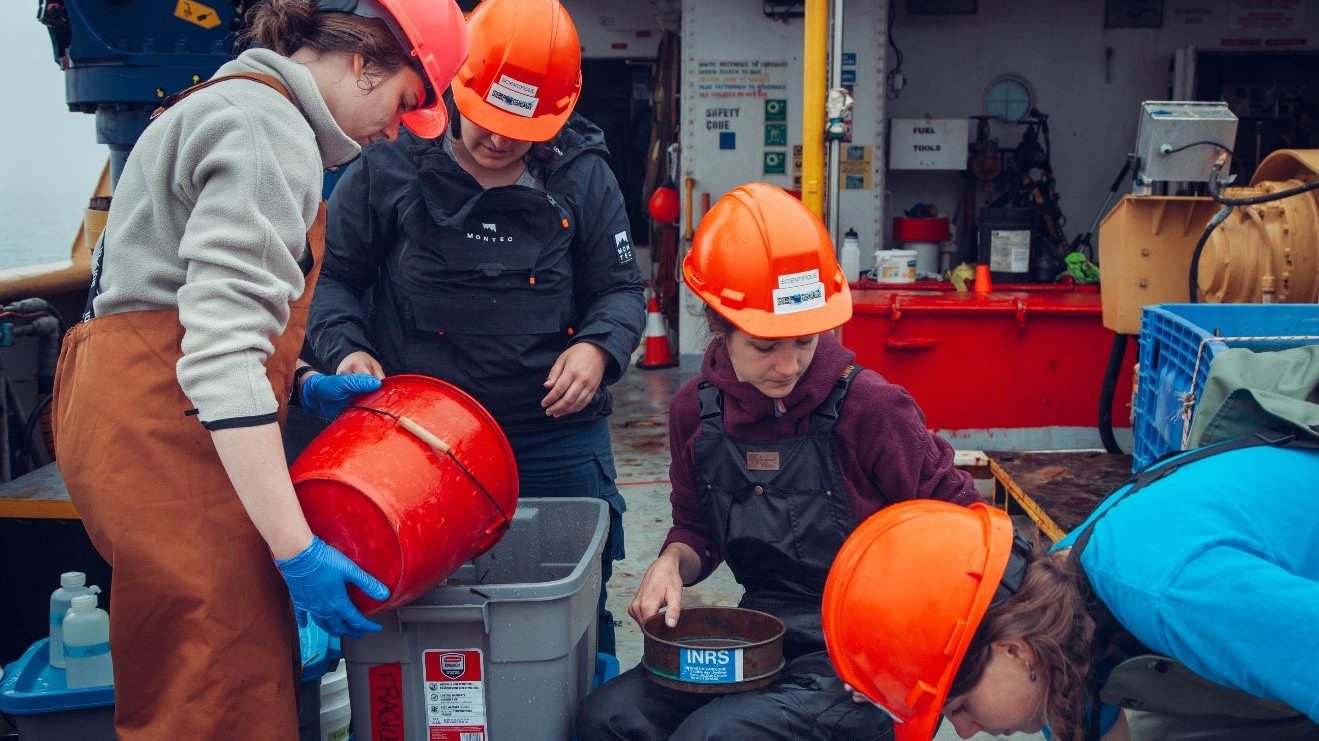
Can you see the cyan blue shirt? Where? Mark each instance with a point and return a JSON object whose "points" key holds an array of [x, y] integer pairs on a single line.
{"points": [[1217, 566]]}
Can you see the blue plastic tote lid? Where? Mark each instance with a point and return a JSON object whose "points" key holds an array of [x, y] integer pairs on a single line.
{"points": [[31, 685], [315, 645]]}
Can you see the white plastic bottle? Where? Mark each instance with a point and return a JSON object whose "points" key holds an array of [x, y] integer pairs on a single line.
{"points": [[72, 584], [850, 258], [87, 644]]}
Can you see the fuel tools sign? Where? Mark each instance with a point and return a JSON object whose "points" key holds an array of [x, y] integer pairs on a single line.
{"points": [[929, 143]]}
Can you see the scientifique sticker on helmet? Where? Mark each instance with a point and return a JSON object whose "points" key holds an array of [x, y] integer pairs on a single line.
{"points": [[516, 85], [514, 96], [791, 280]]}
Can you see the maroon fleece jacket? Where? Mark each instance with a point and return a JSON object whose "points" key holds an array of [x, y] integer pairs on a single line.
{"points": [[884, 450]]}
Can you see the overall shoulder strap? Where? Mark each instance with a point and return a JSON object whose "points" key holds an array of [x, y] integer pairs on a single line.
{"points": [[264, 79], [825, 416], [712, 408]]}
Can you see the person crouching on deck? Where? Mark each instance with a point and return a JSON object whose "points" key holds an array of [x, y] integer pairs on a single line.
{"points": [[780, 447], [1185, 607]]}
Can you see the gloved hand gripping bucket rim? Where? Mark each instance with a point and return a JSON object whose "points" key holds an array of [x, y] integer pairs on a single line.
{"points": [[386, 484]]}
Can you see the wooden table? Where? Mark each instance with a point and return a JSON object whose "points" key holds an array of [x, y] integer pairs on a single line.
{"points": [[37, 495], [1056, 490]]}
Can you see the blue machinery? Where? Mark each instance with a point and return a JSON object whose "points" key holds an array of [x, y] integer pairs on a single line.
{"points": [[121, 58]]}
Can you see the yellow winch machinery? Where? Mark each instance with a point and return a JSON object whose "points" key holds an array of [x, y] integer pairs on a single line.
{"points": [[1259, 251]]}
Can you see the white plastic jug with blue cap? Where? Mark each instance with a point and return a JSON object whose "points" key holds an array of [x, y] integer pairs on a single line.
{"points": [[72, 584], [87, 644]]}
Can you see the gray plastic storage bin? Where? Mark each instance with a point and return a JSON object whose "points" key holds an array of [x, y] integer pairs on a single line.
{"points": [[503, 651]]}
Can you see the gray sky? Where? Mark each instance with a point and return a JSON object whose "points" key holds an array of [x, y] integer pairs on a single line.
{"points": [[49, 158]]}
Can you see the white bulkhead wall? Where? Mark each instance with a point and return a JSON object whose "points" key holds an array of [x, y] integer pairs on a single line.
{"points": [[1061, 48], [736, 60]]}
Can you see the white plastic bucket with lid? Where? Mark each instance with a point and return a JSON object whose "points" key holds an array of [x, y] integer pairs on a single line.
{"points": [[336, 707], [895, 266], [334, 685], [336, 721]]}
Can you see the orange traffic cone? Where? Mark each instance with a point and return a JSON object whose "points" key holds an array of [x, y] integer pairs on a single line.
{"points": [[984, 283], [658, 354]]}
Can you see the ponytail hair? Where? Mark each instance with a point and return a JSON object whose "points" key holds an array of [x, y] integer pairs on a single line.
{"points": [[285, 26], [1049, 614]]}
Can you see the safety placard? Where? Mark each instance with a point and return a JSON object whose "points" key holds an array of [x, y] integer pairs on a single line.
{"points": [[455, 695], [710, 665], [197, 14]]}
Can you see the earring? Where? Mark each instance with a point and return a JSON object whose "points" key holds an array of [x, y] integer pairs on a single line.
{"points": [[1031, 668]]}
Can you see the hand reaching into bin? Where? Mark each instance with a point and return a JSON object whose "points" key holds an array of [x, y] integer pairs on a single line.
{"points": [[318, 578]]}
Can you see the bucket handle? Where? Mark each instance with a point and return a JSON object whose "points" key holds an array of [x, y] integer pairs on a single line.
{"points": [[425, 435], [443, 449]]}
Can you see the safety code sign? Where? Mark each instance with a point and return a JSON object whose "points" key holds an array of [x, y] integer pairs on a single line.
{"points": [[455, 695], [710, 666]]}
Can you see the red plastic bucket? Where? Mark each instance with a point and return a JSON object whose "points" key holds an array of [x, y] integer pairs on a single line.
{"points": [[928, 229], [379, 485]]}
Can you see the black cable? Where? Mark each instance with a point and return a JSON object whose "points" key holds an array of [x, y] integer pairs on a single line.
{"points": [[1193, 276], [1108, 389], [33, 419], [1085, 240], [37, 306], [1252, 200], [897, 55], [1196, 144]]}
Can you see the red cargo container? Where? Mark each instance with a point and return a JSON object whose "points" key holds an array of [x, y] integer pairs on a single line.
{"points": [[1019, 368]]}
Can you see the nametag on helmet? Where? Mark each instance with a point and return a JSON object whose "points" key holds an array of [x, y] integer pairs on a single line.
{"points": [[762, 461]]}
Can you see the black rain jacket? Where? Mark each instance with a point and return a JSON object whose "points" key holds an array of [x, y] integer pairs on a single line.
{"points": [[430, 273]]}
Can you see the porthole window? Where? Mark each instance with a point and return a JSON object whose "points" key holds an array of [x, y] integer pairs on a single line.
{"points": [[1009, 99]]}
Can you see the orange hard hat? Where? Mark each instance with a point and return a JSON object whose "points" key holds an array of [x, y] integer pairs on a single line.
{"points": [[433, 34], [524, 72], [904, 597], [764, 262]]}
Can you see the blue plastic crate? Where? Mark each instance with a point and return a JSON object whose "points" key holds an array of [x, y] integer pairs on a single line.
{"points": [[1174, 336]]}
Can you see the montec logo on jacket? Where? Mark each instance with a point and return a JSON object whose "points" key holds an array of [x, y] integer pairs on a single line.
{"points": [[488, 232], [624, 247]]}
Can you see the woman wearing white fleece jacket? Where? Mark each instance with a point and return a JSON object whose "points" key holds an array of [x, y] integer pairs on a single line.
{"points": [[168, 395]]}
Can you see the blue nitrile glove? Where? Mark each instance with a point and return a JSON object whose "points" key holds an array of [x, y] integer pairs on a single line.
{"points": [[326, 396], [318, 580]]}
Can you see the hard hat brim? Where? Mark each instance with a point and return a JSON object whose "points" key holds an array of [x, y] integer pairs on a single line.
{"points": [[427, 123], [836, 311], [496, 121]]}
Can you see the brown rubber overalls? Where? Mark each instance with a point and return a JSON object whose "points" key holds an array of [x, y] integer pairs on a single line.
{"points": [[201, 623]]}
